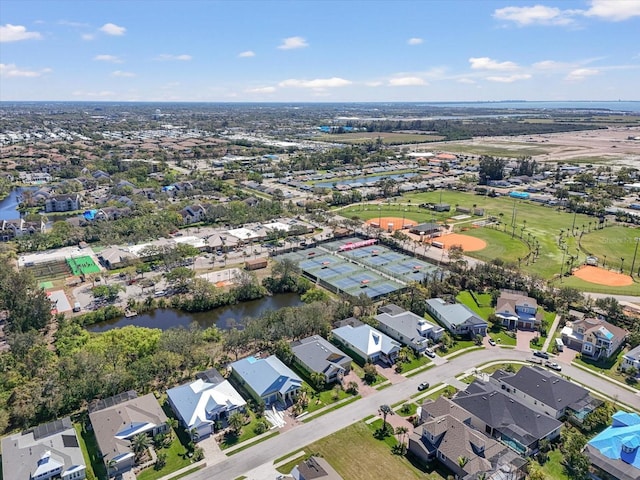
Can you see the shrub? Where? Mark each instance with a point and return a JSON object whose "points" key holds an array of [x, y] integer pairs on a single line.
{"points": [[261, 427]]}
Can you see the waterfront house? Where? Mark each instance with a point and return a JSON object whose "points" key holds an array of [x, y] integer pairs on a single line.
{"points": [[266, 379]]}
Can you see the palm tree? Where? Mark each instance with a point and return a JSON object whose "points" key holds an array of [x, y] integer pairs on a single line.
{"points": [[236, 421], [139, 443], [384, 411], [318, 379], [462, 461], [172, 423]]}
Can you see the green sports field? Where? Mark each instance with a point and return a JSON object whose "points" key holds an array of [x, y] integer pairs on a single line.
{"points": [[535, 224], [82, 265]]}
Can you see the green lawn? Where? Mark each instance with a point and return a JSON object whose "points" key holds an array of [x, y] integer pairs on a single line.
{"points": [[411, 410], [357, 455], [90, 451], [501, 366], [608, 367], [176, 459], [500, 244], [247, 433], [553, 468], [503, 338], [611, 244], [483, 305], [460, 345]]}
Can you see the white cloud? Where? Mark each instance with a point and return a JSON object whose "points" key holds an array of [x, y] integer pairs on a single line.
{"points": [[120, 73], [510, 78], [415, 41], [10, 70], [16, 33], [549, 65], [581, 73], [466, 81], [374, 84], [536, 15], [165, 57], [486, 63], [68, 23], [262, 90], [112, 29], [107, 58], [317, 83], [247, 54], [292, 43], [407, 82], [614, 11], [87, 36]]}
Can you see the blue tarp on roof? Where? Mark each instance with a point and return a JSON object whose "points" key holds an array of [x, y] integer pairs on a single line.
{"points": [[90, 214], [519, 195]]}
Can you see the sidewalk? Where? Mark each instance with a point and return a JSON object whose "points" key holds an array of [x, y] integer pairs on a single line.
{"points": [[551, 333]]}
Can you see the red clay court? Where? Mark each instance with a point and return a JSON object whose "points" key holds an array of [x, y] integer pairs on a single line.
{"points": [[468, 243], [602, 276], [385, 221]]}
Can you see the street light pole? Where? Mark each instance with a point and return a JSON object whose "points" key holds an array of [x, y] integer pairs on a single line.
{"points": [[633, 263]]}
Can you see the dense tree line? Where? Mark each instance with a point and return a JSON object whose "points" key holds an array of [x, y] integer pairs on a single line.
{"points": [[461, 130]]}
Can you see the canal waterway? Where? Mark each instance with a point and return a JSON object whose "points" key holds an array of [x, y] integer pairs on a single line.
{"points": [[9, 205], [223, 317]]}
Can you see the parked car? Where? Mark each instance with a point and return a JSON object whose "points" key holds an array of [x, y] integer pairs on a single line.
{"points": [[492, 342], [553, 366], [423, 386], [430, 353], [541, 354]]}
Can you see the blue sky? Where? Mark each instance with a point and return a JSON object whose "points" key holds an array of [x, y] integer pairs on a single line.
{"points": [[319, 51]]}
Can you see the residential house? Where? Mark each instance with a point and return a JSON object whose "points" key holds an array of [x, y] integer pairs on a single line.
{"points": [[266, 379], [193, 214], [457, 318], [112, 213], [314, 468], [518, 311], [503, 417], [201, 403], [62, 203], [49, 451], [631, 359], [546, 392], [369, 344], [100, 174], [11, 229], [116, 420], [464, 451], [596, 338], [615, 452], [315, 354], [407, 327]]}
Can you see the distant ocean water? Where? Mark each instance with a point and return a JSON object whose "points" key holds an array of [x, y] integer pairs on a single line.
{"points": [[619, 106]]}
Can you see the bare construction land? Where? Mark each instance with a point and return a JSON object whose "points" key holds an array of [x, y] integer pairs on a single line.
{"points": [[616, 144]]}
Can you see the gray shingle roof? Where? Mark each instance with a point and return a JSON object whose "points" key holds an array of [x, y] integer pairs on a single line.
{"points": [[505, 414], [319, 355], [546, 387]]}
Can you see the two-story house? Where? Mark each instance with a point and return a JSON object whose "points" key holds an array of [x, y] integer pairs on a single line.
{"points": [[457, 318], [49, 451], [631, 359], [315, 354], [517, 311], [546, 392], [593, 337], [407, 328]]}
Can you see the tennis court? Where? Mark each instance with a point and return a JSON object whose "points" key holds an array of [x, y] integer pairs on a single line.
{"points": [[82, 265], [340, 275]]}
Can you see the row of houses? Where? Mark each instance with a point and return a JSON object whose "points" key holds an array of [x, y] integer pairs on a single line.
{"points": [[495, 424]]}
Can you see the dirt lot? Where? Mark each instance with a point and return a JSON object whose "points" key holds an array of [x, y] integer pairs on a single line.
{"points": [[602, 146]]}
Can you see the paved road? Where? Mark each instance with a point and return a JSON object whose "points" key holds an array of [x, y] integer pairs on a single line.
{"points": [[267, 451]]}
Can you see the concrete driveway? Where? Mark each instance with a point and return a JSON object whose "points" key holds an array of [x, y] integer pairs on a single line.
{"points": [[523, 338]]}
